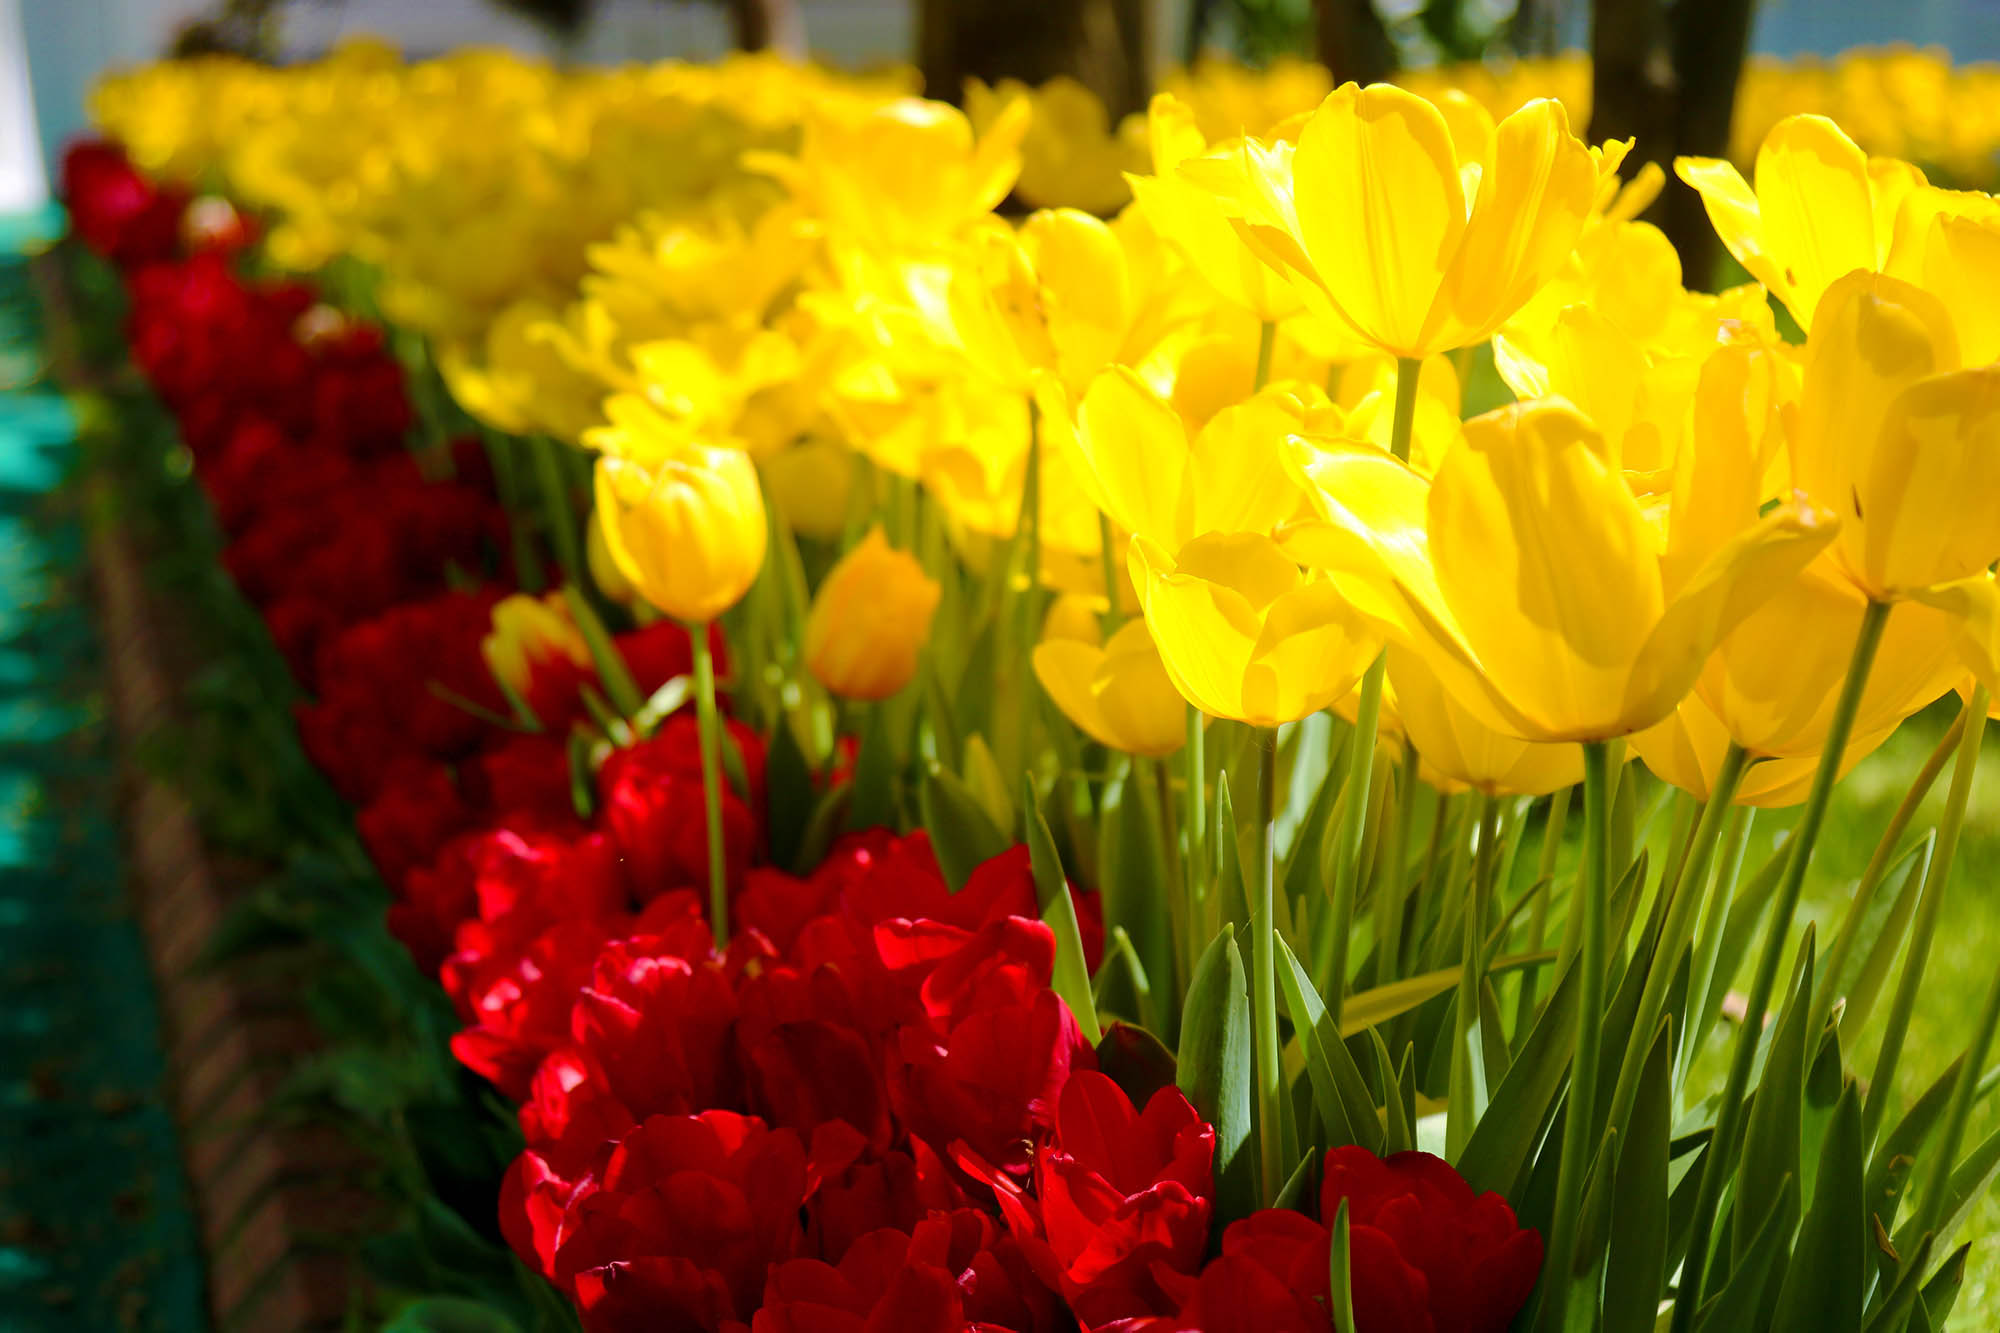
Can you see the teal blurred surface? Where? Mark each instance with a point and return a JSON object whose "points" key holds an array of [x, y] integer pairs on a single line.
{"points": [[96, 1231]]}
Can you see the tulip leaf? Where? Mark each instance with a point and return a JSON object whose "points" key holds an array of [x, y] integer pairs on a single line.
{"points": [[1823, 1283], [1740, 1307], [827, 816], [962, 834], [1826, 1081], [1502, 1146], [449, 1314], [1893, 1311], [1379, 1004], [1970, 1180], [871, 792], [1340, 1278], [1734, 934], [1072, 972], [1399, 1126], [1136, 1060], [1296, 1188], [1339, 1092], [1636, 1262], [1593, 1228], [943, 720], [1869, 978], [984, 781], [1228, 877], [1889, 1169], [788, 784], [1131, 869], [1941, 1292], [1214, 1068], [1771, 1149]]}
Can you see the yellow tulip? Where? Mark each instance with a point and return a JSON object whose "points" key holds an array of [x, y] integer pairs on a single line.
{"points": [[1243, 634], [1529, 580], [1895, 438], [1372, 222], [528, 631], [1138, 462], [869, 620], [1687, 750], [1974, 607], [686, 528], [1948, 243], [1118, 694], [1466, 752], [604, 571], [1821, 209]]}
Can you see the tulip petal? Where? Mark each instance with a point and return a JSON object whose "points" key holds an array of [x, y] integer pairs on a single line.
{"points": [[1380, 209], [1133, 453], [1933, 484]]}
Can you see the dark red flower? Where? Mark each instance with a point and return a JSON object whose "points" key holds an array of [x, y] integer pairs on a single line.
{"points": [[652, 801], [411, 818]]}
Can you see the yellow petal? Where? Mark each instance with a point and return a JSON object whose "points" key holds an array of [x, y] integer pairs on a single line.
{"points": [[1380, 209], [1932, 485], [1547, 565], [1530, 208], [1132, 454], [1974, 606]]}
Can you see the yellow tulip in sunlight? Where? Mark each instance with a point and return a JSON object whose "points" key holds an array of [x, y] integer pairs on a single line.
{"points": [[1465, 751], [1528, 579], [529, 630], [1139, 463], [604, 571], [869, 620], [1688, 748], [1821, 209], [1373, 222], [686, 528], [1243, 634], [1892, 436], [1118, 694]]}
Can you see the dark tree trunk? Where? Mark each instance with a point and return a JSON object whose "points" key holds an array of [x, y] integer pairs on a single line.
{"points": [[1667, 75], [1353, 41], [768, 25], [1104, 44]]}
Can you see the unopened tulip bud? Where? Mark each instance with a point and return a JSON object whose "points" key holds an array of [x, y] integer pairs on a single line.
{"points": [[527, 632], [869, 620], [686, 529]]}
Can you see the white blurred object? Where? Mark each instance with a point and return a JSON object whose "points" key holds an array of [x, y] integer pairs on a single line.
{"points": [[23, 187]]}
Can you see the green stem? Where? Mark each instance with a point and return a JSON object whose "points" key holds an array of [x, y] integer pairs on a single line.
{"points": [[1702, 1007], [1881, 1088], [1195, 792], [1389, 893], [1465, 1092], [1267, 341], [1678, 927], [1408, 371], [1107, 567], [1937, 1179], [1593, 892], [1721, 1154], [1353, 825], [616, 677], [1538, 920], [557, 511], [1853, 924], [711, 782], [1270, 1073]]}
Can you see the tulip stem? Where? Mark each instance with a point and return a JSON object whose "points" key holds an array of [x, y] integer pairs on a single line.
{"points": [[1881, 1088], [711, 781], [1107, 566], [1267, 342], [1270, 1075], [1195, 792], [1937, 1179], [1722, 1148], [1593, 890], [557, 509], [1408, 371], [1332, 964], [1678, 927], [1538, 919]]}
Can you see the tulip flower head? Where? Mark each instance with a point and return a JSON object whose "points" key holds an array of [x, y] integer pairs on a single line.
{"points": [[870, 620], [528, 631], [686, 528], [1118, 693]]}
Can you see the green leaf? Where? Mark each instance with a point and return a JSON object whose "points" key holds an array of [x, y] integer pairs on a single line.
{"points": [[1131, 873], [1297, 1186], [1823, 1283], [1894, 1310], [1864, 986], [1970, 1180], [1340, 1094], [1228, 877], [1941, 1292], [789, 788], [1770, 1150], [962, 834], [1889, 1169], [1339, 1274], [1399, 1127], [1636, 1266], [1365, 1009], [1136, 1060], [1214, 1068], [449, 1314], [871, 793], [1739, 1306], [1072, 973], [1502, 1146]]}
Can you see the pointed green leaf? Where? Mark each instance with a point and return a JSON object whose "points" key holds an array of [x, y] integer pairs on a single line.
{"points": [[1823, 1283], [1889, 1169], [1399, 1130], [1072, 974], [1771, 1147], [962, 834], [1339, 1092], [1339, 1273], [1739, 1306], [1502, 1146], [1635, 1269], [1213, 1069]]}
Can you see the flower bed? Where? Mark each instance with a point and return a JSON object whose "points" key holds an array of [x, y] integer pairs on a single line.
{"points": [[929, 889]]}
